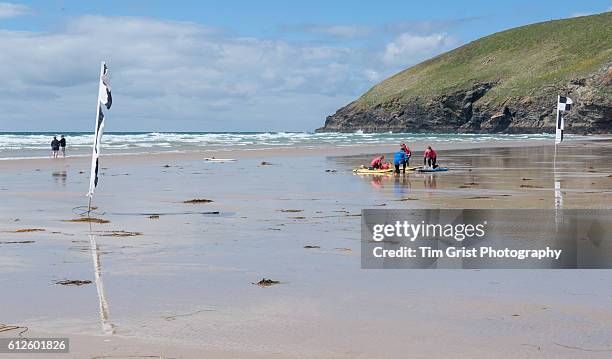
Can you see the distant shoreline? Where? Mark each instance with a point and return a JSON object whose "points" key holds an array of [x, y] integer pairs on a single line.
{"points": [[266, 153], [35, 146]]}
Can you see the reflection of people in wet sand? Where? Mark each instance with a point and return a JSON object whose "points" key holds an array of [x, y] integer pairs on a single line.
{"points": [[377, 181], [60, 176], [401, 186], [430, 181]]}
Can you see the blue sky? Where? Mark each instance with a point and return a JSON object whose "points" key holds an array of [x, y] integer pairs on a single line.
{"points": [[231, 65]]}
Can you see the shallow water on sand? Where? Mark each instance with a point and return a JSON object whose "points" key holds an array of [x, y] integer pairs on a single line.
{"points": [[36, 144], [188, 277]]}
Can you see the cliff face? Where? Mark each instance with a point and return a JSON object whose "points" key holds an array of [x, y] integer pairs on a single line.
{"points": [[488, 87], [464, 112]]}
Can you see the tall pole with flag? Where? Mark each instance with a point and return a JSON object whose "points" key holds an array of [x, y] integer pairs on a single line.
{"points": [[563, 104], [104, 99]]}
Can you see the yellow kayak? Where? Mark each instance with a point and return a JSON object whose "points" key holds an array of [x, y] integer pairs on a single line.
{"points": [[366, 171]]}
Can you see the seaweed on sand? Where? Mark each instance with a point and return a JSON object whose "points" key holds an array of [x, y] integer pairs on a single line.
{"points": [[198, 201], [76, 282], [6, 328], [264, 282], [119, 234], [26, 230], [87, 220]]}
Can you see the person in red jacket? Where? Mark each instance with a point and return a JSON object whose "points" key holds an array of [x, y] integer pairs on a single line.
{"points": [[407, 152], [377, 162], [429, 157]]}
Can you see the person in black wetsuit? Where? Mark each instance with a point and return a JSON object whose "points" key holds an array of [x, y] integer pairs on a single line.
{"points": [[55, 145], [62, 143]]}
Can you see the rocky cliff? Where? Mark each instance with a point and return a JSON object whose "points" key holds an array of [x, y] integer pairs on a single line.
{"points": [[504, 83]]}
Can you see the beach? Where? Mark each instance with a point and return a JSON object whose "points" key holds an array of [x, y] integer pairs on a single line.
{"points": [[171, 278]]}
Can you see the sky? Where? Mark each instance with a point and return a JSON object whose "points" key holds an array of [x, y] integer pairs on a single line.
{"points": [[231, 65]]}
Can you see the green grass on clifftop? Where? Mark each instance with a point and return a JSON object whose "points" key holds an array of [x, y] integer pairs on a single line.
{"points": [[522, 60]]}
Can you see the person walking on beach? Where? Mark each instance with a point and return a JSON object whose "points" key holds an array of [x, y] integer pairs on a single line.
{"points": [[429, 158], [55, 145], [62, 143]]}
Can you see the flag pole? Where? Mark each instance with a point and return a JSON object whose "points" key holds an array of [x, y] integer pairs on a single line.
{"points": [[93, 155]]}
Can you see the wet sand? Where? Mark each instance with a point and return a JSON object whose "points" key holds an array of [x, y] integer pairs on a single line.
{"points": [[180, 285]]}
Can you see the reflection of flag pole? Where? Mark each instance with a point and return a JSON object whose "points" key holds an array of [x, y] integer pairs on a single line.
{"points": [[104, 98], [107, 327], [563, 104], [558, 194]]}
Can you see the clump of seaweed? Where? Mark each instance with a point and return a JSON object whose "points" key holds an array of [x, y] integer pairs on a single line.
{"points": [[198, 201], [529, 186], [264, 282], [26, 230], [76, 282], [87, 220], [119, 234], [6, 328]]}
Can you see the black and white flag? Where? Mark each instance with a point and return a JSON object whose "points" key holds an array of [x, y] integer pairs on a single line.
{"points": [[104, 99], [563, 104]]}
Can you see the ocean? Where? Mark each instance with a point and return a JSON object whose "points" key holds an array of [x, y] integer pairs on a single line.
{"points": [[17, 145]]}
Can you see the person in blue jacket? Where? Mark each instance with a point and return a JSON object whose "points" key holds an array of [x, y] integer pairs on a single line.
{"points": [[400, 158]]}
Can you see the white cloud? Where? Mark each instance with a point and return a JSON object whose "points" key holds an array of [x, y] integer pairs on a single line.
{"points": [[184, 76], [345, 31], [169, 75], [428, 26], [407, 48], [586, 13], [372, 75], [579, 14], [12, 10]]}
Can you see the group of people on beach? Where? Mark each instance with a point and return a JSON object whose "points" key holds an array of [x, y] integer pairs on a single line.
{"points": [[402, 158], [57, 145]]}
